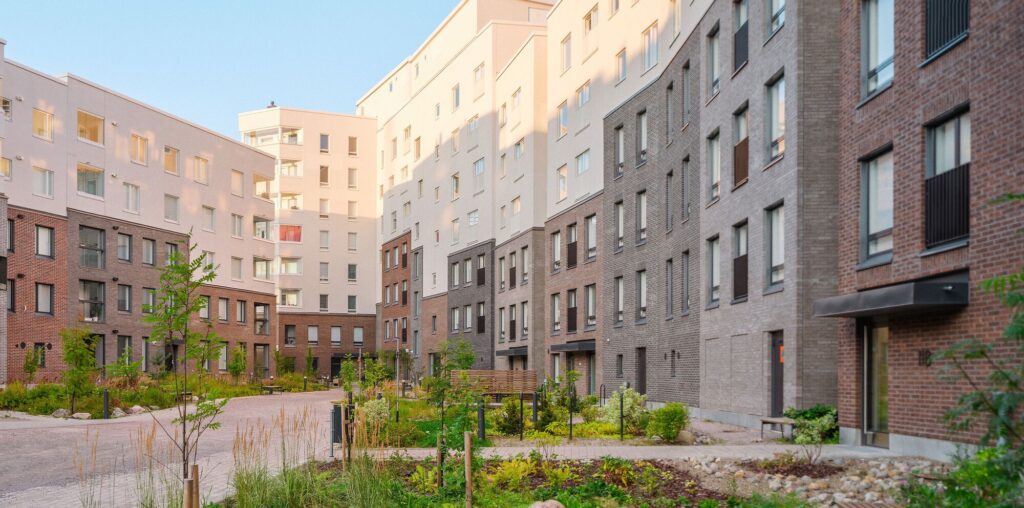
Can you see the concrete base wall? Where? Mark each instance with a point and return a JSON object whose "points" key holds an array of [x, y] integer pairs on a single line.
{"points": [[913, 446]]}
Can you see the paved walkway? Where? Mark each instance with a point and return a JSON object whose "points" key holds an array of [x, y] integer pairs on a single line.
{"points": [[39, 467]]}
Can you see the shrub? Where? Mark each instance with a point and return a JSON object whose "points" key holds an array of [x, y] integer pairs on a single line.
{"points": [[667, 421], [404, 433], [810, 435], [512, 474], [507, 419], [14, 396], [634, 410], [557, 476], [424, 480], [377, 413], [813, 413], [992, 477]]}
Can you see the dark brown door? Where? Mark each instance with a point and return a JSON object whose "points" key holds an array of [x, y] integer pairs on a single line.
{"points": [[641, 370], [778, 370]]}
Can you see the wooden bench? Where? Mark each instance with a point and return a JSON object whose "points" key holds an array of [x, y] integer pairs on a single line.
{"points": [[781, 421], [183, 397], [269, 389]]}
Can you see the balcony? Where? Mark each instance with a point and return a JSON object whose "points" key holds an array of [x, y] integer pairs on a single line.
{"points": [[947, 22], [947, 201]]}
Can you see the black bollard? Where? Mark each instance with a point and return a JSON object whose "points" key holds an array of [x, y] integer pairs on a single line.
{"points": [[534, 407], [621, 418], [522, 422], [481, 421], [305, 386], [106, 404]]}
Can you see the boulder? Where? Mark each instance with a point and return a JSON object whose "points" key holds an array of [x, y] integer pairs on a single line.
{"points": [[686, 437], [61, 413], [550, 503], [81, 416], [136, 410], [118, 413]]}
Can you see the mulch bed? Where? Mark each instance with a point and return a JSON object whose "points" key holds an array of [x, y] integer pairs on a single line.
{"points": [[819, 470]]}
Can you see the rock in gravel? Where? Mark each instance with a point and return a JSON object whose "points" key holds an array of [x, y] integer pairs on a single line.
{"points": [[775, 485], [61, 413], [550, 503], [839, 497], [817, 486], [870, 497], [81, 416], [118, 413], [820, 498], [136, 410], [686, 437]]}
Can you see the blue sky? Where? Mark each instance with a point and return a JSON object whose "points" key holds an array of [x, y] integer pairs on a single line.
{"points": [[206, 61]]}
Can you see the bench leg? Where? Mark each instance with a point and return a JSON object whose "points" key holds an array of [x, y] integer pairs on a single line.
{"points": [[762, 431]]}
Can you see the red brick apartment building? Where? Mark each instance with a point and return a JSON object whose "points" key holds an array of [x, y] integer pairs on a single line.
{"points": [[930, 134], [395, 307]]}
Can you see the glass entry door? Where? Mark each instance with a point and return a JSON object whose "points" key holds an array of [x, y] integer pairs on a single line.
{"points": [[876, 386]]}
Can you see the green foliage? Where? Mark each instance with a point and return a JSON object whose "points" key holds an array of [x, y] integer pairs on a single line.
{"points": [[992, 478], [557, 476], [813, 413], [285, 364], [589, 408], [31, 364], [376, 412], [347, 374], [634, 410], [507, 419], [79, 362], [424, 480], [773, 500], [512, 474], [237, 363], [375, 372], [667, 421], [810, 435], [310, 372], [124, 370]]}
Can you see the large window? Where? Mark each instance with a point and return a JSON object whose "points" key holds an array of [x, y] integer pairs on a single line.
{"points": [[713, 71], [590, 231], [641, 216], [562, 177], [620, 295], [290, 233], [44, 298], [620, 149], [138, 148], [650, 46], [590, 305], [556, 250], [132, 197], [124, 300], [641, 295], [583, 162], [714, 167], [202, 170], [90, 127], [171, 208], [124, 247], [949, 145], [42, 124], [172, 160], [877, 200], [92, 296], [776, 14], [947, 182], [641, 137], [42, 182], [566, 53], [556, 312], [620, 224], [563, 119], [877, 43], [90, 180], [776, 244], [45, 241], [148, 251], [777, 118], [740, 35], [947, 22], [91, 244]]}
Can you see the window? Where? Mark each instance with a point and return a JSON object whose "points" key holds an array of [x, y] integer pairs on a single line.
{"points": [[650, 47], [237, 222], [714, 167], [5, 105], [170, 208], [324, 302], [171, 161], [739, 37], [90, 127], [42, 124], [641, 216], [670, 287], [713, 71], [124, 300], [353, 241], [92, 296], [44, 298], [124, 247], [353, 146], [148, 300], [668, 111], [777, 118], [668, 201], [583, 162], [556, 250], [325, 143], [148, 251], [620, 304], [139, 147], [566, 53], [563, 119], [946, 24], [236, 268], [353, 178], [620, 65], [352, 270], [90, 180], [324, 271], [455, 231], [45, 238], [5, 167], [519, 149], [563, 183], [92, 245], [776, 244], [686, 93], [261, 269], [686, 281], [456, 97], [290, 233], [42, 182], [261, 228], [620, 150], [740, 149], [478, 174], [878, 206], [877, 44], [261, 186], [620, 224], [131, 197], [739, 262], [313, 334], [11, 293], [325, 208], [949, 145], [172, 253], [556, 312], [777, 15], [590, 230], [289, 298], [641, 137], [455, 186], [357, 335], [289, 335], [291, 266], [209, 219], [583, 95], [240, 311], [641, 295], [501, 324], [714, 273], [222, 309]]}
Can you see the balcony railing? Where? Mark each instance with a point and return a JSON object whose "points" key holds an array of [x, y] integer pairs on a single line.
{"points": [[740, 45], [947, 22], [741, 161], [739, 277], [947, 201]]}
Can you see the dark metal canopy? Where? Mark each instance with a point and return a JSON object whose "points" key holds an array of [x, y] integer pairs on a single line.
{"points": [[950, 292], [513, 351], [570, 347]]}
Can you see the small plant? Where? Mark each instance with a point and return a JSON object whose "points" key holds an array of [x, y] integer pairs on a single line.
{"points": [[783, 460], [309, 372], [80, 360], [512, 474], [667, 421], [377, 413], [508, 418], [31, 365], [810, 435], [634, 410], [237, 363], [557, 477], [424, 480], [125, 371], [814, 412]]}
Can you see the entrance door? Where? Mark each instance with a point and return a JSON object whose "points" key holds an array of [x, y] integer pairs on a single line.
{"points": [[876, 386], [778, 372], [335, 367], [591, 374], [261, 357], [641, 370]]}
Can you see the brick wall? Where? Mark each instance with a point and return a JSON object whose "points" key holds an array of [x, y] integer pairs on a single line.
{"points": [[325, 349], [530, 291], [435, 310], [389, 312], [473, 293]]}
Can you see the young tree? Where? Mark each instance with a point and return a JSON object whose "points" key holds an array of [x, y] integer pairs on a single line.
{"points": [[310, 373], [443, 391], [348, 373], [31, 365], [237, 363], [125, 370], [80, 361], [174, 319]]}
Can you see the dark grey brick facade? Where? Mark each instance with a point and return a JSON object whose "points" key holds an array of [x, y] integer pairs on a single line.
{"points": [[523, 289], [477, 292]]}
